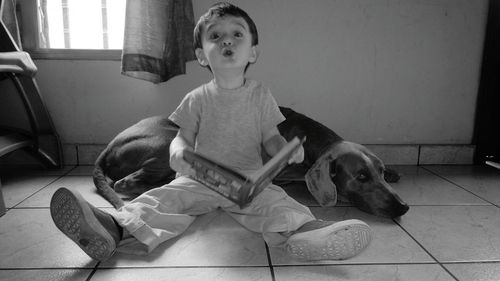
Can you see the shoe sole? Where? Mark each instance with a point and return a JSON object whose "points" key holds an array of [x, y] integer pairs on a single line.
{"points": [[339, 241], [74, 217]]}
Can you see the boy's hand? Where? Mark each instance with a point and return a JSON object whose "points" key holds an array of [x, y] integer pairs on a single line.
{"points": [[178, 164], [298, 156], [184, 140]]}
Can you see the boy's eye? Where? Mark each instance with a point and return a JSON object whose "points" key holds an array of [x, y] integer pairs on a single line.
{"points": [[213, 36], [238, 34]]}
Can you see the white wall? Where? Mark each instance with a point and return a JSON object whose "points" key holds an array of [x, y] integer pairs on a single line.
{"points": [[375, 71]]}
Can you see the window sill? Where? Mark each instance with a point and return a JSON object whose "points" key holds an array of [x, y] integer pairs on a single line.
{"points": [[75, 54]]}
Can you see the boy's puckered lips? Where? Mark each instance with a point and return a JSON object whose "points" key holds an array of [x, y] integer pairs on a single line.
{"points": [[226, 52]]}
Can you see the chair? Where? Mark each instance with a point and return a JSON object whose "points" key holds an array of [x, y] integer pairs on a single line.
{"points": [[31, 129]]}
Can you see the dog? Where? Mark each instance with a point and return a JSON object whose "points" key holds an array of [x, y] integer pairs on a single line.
{"points": [[137, 160], [337, 169]]}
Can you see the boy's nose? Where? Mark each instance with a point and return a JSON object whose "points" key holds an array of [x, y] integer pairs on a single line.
{"points": [[227, 41]]}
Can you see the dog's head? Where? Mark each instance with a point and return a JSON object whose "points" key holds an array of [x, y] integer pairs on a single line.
{"points": [[354, 173]]}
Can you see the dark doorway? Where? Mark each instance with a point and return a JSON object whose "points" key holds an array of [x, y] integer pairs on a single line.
{"points": [[487, 123]]}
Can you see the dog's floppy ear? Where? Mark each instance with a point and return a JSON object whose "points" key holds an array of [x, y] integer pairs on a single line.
{"points": [[319, 181]]}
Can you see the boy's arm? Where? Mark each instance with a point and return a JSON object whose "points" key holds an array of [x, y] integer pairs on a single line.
{"points": [[274, 142], [184, 140]]}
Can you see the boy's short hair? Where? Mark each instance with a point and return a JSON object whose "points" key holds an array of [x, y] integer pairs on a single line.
{"points": [[220, 10]]}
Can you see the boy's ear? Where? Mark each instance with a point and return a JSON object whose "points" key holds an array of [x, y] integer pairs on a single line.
{"points": [[255, 54], [200, 55]]}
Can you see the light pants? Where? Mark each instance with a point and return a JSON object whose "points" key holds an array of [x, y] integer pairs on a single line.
{"points": [[165, 212]]}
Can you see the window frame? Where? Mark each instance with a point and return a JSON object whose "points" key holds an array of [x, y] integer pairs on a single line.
{"points": [[28, 23]]}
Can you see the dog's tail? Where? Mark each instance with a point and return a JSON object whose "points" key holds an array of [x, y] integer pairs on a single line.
{"points": [[103, 184]]}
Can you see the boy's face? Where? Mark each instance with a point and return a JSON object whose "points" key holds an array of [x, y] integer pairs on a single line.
{"points": [[227, 44]]}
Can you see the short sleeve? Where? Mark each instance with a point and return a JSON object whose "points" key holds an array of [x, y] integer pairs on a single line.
{"points": [[187, 114], [271, 115]]}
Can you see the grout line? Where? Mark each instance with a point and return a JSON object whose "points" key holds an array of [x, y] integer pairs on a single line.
{"points": [[271, 268], [356, 264], [429, 253], [182, 266], [471, 262], [77, 155], [56, 179], [48, 207], [93, 272], [458, 185], [418, 155], [96, 268], [45, 268], [32, 208], [451, 205]]}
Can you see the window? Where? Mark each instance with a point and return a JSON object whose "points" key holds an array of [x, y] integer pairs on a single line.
{"points": [[75, 29], [77, 24]]}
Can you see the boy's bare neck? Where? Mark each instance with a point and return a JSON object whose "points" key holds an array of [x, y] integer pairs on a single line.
{"points": [[229, 82]]}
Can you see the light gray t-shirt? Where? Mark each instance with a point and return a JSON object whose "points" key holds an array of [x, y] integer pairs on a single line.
{"points": [[229, 124]]}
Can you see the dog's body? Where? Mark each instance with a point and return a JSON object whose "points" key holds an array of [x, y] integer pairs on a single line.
{"points": [[138, 160]]}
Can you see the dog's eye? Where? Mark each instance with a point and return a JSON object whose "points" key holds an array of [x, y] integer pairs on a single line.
{"points": [[362, 177]]}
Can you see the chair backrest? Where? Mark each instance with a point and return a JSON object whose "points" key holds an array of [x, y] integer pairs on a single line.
{"points": [[26, 89]]}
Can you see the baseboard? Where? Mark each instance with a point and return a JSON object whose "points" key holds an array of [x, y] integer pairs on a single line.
{"points": [[446, 154], [392, 154], [395, 154]]}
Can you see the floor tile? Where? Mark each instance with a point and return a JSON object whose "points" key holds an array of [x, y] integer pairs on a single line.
{"points": [[82, 171], [17, 188], [456, 233], [82, 184], [45, 274], [418, 186], [184, 274], [465, 170], [416, 272], [33, 171], [390, 244], [29, 239], [483, 181], [448, 217], [214, 239], [475, 271]]}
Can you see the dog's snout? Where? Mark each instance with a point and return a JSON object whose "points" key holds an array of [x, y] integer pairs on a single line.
{"points": [[399, 209]]}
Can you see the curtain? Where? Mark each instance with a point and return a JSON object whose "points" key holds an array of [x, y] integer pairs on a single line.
{"points": [[158, 39]]}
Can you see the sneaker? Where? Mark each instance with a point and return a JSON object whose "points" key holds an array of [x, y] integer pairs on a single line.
{"points": [[329, 241], [93, 230]]}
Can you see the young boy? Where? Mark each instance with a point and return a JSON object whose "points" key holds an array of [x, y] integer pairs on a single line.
{"points": [[227, 119]]}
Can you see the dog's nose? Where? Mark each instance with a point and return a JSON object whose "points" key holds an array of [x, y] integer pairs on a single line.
{"points": [[400, 209]]}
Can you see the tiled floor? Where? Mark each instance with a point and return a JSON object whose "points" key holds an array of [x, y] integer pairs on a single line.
{"points": [[452, 232]]}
